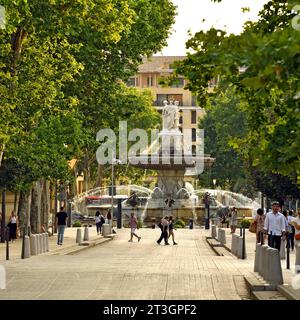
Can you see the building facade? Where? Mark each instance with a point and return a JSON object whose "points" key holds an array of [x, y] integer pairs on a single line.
{"points": [[151, 71]]}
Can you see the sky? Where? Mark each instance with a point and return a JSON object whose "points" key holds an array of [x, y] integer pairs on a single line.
{"points": [[226, 15]]}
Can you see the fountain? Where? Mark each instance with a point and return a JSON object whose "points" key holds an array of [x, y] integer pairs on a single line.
{"points": [[171, 195], [166, 157]]}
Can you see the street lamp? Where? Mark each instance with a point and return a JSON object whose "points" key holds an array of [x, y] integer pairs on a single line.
{"points": [[113, 162], [207, 213]]}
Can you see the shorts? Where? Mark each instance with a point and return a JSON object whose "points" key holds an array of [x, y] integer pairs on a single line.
{"points": [[133, 230]]}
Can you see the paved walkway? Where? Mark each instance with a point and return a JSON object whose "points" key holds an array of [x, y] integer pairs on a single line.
{"points": [[139, 270], [15, 249]]}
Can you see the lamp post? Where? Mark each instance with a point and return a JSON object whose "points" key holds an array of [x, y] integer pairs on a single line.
{"points": [[113, 162], [207, 213]]}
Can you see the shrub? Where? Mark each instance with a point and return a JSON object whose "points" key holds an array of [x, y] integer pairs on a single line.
{"points": [[179, 224], [140, 224], [76, 224], [245, 223]]}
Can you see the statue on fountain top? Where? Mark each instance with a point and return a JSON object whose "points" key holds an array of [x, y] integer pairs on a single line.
{"points": [[170, 115]]}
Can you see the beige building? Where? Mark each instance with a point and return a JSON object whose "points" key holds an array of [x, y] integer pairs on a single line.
{"points": [[149, 75]]}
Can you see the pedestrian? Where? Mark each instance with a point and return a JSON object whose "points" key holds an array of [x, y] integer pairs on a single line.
{"points": [[288, 228], [108, 216], [296, 223], [133, 226], [260, 222], [171, 230], [61, 222], [98, 222], [233, 219], [13, 226], [291, 237], [275, 226], [164, 223]]}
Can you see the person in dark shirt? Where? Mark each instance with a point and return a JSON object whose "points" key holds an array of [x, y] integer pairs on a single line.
{"points": [[61, 222]]}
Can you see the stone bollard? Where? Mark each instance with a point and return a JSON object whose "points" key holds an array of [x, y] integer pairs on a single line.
{"points": [[78, 236], [106, 229], [297, 261], [86, 234], [42, 242], [38, 244], [223, 237], [219, 234], [234, 244], [267, 264], [257, 256], [213, 231], [33, 244], [262, 259], [274, 276], [282, 249], [47, 241], [27, 247]]}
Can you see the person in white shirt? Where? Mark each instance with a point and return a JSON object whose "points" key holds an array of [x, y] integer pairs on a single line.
{"points": [[296, 223], [275, 226]]}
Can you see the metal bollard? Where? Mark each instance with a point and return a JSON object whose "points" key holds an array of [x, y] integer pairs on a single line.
{"points": [[7, 242], [244, 244], [297, 262], [23, 244], [288, 254]]}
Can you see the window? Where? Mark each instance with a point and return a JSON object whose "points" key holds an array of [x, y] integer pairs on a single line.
{"points": [[193, 117], [160, 98], [132, 82], [149, 81], [193, 150], [179, 83], [194, 135], [194, 101]]}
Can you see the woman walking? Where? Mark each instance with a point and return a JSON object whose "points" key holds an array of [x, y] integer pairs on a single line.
{"points": [[133, 226], [296, 223], [98, 222], [260, 222], [233, 219], [13, 225], [171, 230]]}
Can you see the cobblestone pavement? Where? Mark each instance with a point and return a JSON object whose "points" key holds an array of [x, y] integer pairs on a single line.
{"points": [[138, 270]]}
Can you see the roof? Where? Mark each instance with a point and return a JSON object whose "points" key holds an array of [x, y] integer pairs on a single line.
{"points": [[160, 64]]}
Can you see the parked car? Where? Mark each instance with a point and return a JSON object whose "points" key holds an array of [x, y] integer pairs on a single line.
{"points": [[77, 216]]}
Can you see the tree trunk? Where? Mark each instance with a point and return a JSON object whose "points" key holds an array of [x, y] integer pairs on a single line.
{"points": [[35, 214], [3, 220], [99, 181], [24, 209], [45, 205], [16, 201]]}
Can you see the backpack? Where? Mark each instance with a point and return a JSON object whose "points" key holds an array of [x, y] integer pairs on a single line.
{"points": [[160, 225], [102, 220]]}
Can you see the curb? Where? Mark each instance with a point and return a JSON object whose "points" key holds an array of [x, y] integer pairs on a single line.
{"points": [[74, 249]]}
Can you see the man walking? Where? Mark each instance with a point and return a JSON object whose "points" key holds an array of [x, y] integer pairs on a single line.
{"points": [[274, 226], [61, 222], [164, 230], [133, 226]]}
